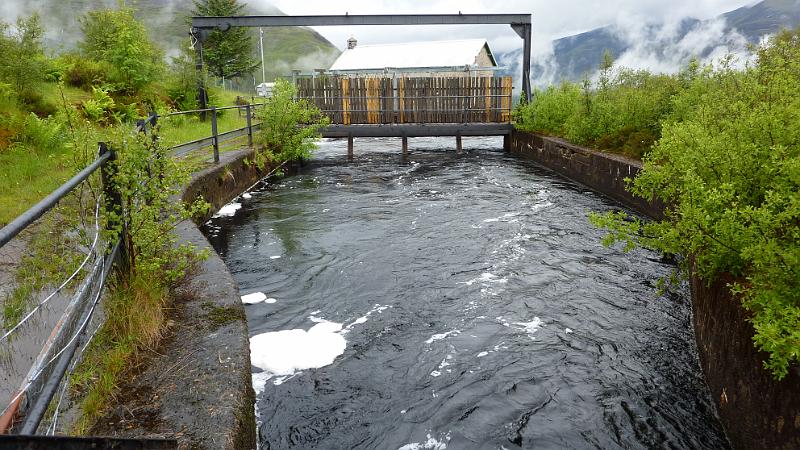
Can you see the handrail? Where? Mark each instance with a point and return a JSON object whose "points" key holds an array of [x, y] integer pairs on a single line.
{"points": [[16, 226], [62, 359], [194, 111]]}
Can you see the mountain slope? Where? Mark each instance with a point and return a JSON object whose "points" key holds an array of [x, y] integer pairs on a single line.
{"points": [[659, 46], [284, 48], [764, 18]]}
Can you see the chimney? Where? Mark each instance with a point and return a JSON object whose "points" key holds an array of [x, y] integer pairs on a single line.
{"points": [[351, 43]]}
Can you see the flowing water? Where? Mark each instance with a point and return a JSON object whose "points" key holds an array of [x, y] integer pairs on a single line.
{"points": [[455, 302]]}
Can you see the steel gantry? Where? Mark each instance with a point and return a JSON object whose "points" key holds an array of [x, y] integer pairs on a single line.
{"points": [[520, 23]]}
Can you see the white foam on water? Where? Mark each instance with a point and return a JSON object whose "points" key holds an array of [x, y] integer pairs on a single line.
{"points": [[500, 346], [288, 351], [253, 298], [482, 354], [485, 278], [538, 206], [507, 217], [260, 381], [430, 443], [530, 327], [270, 300], [375, 309], [275, 257], [440, 336], [247, 196], [228, 210]]}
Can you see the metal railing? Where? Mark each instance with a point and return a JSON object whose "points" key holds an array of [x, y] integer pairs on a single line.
{"points": [[216, 138], [47, 372], [69, 337]]}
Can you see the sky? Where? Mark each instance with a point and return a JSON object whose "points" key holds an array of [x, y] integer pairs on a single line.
{"points": [[551, 19]]}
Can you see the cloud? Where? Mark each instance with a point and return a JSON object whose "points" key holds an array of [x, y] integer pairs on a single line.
{"points": [[664, 48], [551, 20]]}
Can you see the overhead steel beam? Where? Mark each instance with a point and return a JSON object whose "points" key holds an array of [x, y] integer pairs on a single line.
{"points": [[224, 23], [521, 23]]}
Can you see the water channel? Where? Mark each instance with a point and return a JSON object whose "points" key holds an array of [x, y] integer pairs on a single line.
{"points": [[455, 302]]}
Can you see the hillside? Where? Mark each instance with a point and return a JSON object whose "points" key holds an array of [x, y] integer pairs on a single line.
{"points": [[284, 48], [659, 46]]}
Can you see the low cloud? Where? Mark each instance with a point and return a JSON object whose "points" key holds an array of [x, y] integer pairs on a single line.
{"points": [[665, 48]]}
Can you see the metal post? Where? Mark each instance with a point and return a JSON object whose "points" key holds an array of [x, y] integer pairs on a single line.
{"points": [[214, 134], [111, 194], [202, 96], [507, 142], [349, 147], [405, 147], [523, 30], [249, 125], [458, 143], [526, 63], [261, 49]]}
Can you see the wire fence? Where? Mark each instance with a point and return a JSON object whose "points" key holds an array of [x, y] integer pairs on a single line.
{"points": [[51, 370], [47, 371]]}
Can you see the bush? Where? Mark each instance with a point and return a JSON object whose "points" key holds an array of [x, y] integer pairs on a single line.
{"points": [[22, 53], [728, 166], [289, 127], [82, 72], [43, 134], [620, 112], [32, 100], [181, 85], [98, 108]]}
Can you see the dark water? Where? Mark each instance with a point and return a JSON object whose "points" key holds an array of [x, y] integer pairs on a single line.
{"points": [[494, 317]]}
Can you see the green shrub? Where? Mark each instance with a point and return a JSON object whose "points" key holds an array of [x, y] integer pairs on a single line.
{"points": [[728, 167], [83, 73], [32, 100], [47, 133], [99, 106], [289, 127], [620, 112], [181, 85]]}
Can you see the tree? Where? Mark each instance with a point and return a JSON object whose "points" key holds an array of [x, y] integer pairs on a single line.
{"points": [[22, 53], [117, 39], [227, 54]]}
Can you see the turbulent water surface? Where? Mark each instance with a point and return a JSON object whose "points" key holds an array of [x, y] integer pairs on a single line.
{"points": [[455, 302]]}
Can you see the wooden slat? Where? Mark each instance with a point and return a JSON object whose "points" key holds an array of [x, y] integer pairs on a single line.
{"points": [[384, 100]]}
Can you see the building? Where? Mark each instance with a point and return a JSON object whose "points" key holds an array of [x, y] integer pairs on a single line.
{"points": [[467, 57], [265, 89]]}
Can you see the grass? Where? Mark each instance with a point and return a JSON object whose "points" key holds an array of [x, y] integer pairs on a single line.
{"points": [[28, 175], [135, 321], [180, 129]]}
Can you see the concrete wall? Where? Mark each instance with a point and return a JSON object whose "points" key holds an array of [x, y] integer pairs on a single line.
{"points": [[756, 411], [603, 172]]}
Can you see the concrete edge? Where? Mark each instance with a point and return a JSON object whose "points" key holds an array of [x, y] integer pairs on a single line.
{"points": [[213, 284], [602, 172]]}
